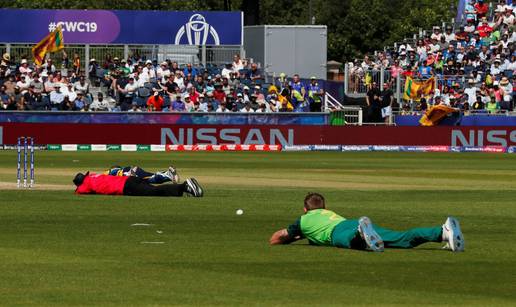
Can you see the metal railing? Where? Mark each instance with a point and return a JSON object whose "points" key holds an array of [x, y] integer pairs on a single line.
{"points": [[205, 55]]}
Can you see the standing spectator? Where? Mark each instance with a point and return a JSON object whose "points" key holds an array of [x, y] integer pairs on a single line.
{"points": [[374, 103], [471, 91], [76, 64], [387, 101], [315, 95], [237, 64], [92, 70]]}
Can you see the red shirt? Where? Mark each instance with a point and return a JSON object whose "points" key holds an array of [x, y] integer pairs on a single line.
{"points": [[484, 31], [102, 184], [481, 9], [219, 95], [156, 101]]}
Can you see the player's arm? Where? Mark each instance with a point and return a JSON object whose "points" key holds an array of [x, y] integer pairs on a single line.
{"points": [[282, 237], [287, 235]]}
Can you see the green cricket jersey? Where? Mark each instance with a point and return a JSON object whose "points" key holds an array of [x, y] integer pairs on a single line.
{"points": [[316, 225]]}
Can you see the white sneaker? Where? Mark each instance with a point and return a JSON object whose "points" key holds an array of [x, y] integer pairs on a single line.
{"points": [[172, 174], [194, 188], [453, 235], [372, 239]]}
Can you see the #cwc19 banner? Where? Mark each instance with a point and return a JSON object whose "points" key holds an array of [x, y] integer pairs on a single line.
{"points": [[123, 27]]}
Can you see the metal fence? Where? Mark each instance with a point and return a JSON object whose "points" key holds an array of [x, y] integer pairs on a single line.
{"points": [[197, 55]]}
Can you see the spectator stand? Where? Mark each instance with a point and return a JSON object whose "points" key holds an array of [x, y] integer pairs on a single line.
{"points": [[469, 65]]}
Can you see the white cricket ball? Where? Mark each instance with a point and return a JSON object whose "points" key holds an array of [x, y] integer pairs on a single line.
{"points": [[239, 212]]}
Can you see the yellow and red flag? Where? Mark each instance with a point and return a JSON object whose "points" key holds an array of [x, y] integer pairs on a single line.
{"points": [[51, 43], [435, 114], [416, 89]]}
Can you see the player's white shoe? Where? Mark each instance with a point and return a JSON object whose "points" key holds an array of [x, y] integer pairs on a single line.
{"points": [[371, 238], [453, 235], [172, 174], [194, 188]]}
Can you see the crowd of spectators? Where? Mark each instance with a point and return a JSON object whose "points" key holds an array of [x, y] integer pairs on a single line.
{"points": [[474, 63], [137, 84]]}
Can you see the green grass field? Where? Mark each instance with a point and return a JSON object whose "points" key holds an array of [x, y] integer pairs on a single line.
{"points": [[57, 248]]}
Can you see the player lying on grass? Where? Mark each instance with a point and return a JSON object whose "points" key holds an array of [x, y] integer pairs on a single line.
{"points": [[156, 178], [325, 227], [132, 186]]}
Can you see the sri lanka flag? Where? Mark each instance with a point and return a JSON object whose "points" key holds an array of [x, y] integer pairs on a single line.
{"points": [[51, 43], [416, 89]]}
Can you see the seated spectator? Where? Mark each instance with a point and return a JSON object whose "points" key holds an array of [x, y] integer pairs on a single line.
{"points": [[56, 97], [254, 73], [219, 94], [178, 105], [24, 83], [222, 108], [493, 106], [163, 72], [99, 104], [189, 105], [69, 91], [481, 9], [226, 71], [49, 66], [193, 94], [36, 102], [484, 29], [129, 91], [66, 104], [79, 102], [189, 70], [247, 108], [24, 67], [155, 102], [82, 85], [478, 104]]}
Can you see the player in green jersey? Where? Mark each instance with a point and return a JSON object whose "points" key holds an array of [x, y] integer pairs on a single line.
{"points": [[324, 227]]}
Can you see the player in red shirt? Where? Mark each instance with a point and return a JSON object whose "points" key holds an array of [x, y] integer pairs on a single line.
{"points": [[132, 186]]}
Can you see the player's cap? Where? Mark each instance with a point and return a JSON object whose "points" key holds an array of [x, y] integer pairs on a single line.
{"points": [[79, 178]]}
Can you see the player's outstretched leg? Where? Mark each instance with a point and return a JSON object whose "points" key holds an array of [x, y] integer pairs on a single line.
{"points": [[452, 234], [172, 174], [372, 239], [193, 187]]}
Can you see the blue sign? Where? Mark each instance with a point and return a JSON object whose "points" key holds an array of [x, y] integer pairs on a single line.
{"points": [[123, 27]]}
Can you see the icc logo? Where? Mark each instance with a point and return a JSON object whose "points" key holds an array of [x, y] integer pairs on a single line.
{"points": [[197, 31]]}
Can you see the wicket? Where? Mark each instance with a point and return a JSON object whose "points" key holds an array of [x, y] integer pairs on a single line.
{"points": [[25, 143]]}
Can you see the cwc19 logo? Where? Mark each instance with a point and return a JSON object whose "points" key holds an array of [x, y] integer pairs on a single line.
{"points": [[197, 31]]}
